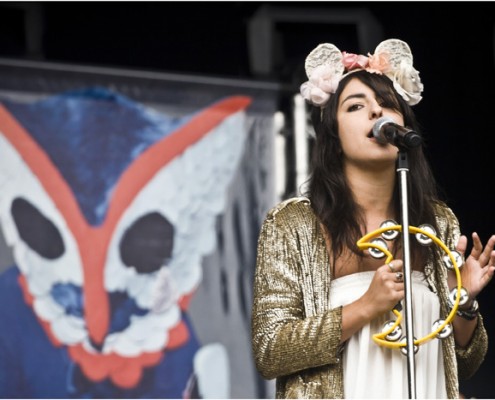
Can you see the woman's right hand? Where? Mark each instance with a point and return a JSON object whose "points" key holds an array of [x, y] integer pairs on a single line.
{"points": [[386, 289], [383, 294]]}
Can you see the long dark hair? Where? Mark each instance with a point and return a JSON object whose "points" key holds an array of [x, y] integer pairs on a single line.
{"points": [[328, 189]]}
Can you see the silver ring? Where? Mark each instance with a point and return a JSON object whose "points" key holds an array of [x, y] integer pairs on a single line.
{"points": [[399, 276], [391, 266]]}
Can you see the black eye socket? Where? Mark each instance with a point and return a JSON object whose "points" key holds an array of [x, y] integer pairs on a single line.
{"points": [[37, 231], [147, 244]]}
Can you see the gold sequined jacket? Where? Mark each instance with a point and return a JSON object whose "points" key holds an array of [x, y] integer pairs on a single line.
{"points": [[295, 334]]}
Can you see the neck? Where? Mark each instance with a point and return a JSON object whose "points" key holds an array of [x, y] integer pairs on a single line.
{"points": [[373, 191]]}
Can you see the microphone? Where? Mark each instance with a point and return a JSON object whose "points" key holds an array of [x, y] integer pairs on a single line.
{"points": [[386, 130]]}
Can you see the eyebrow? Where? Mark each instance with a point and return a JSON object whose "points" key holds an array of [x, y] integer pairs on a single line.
{"points": [[353, 96]]}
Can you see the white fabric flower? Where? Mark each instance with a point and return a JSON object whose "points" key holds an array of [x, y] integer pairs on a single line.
{"points": [[407, 83], [314, 94], [322, 83]]}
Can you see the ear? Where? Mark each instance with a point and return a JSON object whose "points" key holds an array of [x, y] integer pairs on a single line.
{"points": [[398, 52], [324, 54]]}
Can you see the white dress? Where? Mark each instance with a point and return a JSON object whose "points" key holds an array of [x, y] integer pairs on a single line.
{"points": [[374, 371]]}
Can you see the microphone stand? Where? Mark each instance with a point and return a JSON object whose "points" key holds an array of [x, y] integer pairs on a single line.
{"points": [[402, 170]]}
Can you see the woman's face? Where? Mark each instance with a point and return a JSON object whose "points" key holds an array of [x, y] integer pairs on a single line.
{"points": [[357, 112]]}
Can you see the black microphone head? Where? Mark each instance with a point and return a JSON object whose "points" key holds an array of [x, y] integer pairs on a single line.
{"points": [[377, 128], [386, 130]]}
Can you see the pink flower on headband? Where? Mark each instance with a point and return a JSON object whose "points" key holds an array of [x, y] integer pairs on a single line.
{"points": [[322, 83], [379, 63], [354, 61]]}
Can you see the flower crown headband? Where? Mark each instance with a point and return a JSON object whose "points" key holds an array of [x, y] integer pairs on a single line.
{"points": [[326, 65]]}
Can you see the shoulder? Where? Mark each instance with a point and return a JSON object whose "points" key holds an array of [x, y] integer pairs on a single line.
{"points": [[444, 214], [293, 222], [447, 223], [292, 207], [290, 215]]}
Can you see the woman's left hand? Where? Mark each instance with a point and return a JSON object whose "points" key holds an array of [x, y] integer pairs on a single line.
{"points": [[479, 266]]}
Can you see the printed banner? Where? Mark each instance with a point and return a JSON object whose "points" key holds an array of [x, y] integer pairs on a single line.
{"points": [[132, 236]]}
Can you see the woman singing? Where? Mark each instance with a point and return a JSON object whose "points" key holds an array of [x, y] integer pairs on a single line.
{"points": [[319, 298]]}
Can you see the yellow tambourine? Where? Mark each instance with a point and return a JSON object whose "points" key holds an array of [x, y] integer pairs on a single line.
{"points": [[391, 335]]}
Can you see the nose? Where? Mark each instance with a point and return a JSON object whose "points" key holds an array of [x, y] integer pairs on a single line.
{"points": [[376, 111]]}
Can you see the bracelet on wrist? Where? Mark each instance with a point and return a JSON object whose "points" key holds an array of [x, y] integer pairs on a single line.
{"points": [[469, 313]]}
